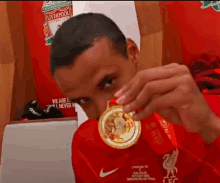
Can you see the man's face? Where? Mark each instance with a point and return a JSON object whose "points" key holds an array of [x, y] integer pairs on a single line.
{"points": [[97, 74]]}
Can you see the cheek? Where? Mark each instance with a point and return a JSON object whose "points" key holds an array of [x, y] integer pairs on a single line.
{"points": [[90, 112]]}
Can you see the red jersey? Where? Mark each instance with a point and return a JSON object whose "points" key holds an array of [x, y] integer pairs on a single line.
{"points": [[192, 161]]}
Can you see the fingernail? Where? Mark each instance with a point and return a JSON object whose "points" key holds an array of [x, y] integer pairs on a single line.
{"points": [[185, 106], [118, 93], [135, 117], [120, 100]]}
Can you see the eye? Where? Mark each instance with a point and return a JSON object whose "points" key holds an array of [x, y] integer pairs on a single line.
{"points": [[108, 83], [83, 101]]}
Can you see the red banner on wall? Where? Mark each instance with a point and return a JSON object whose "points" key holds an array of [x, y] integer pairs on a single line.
{"points": [[42, 19]]}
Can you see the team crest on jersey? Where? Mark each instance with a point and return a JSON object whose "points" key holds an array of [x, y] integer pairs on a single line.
{"points": [[169, 165], [55, 12], [214, 4]]}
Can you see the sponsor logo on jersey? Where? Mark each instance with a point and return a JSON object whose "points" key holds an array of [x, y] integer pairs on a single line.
{"points": [[104, 174]]}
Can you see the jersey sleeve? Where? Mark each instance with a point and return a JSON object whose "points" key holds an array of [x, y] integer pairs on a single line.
{"points": [[194, 142], [213, 154], [194, 169], [213, 150], [196, 145]]}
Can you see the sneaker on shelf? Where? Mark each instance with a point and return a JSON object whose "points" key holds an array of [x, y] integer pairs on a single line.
{"points": [[32, 111], [53, 112]]}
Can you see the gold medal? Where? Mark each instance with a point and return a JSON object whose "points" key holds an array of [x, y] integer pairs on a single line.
{"points": [[117, 128]]}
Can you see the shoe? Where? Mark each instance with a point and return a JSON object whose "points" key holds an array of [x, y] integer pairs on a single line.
{"points": [[53, 112], [32, 111]]}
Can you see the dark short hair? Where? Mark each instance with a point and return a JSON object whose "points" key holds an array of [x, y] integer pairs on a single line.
{"points": [[77, 34]]}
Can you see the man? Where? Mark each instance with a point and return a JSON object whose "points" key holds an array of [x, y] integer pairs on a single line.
{"points": [[91, 60]]}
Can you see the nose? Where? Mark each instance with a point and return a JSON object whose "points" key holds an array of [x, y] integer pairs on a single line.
{"points": [[97, 106], [100, 106]]}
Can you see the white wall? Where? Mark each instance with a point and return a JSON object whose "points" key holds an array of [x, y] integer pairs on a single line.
{"points": [[123, 13], [81, 115]]}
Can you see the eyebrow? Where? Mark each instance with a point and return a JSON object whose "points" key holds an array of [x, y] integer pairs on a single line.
{"points": [[101, 82]]}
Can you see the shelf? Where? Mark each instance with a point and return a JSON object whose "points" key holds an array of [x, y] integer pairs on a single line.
{"points": [[45, 120]]}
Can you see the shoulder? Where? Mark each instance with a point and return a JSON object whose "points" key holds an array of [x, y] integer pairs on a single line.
{"points": [[85, 131], [87, 138]]}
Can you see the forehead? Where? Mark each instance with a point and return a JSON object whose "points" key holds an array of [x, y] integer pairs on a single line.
{"points": [[89, 66]]}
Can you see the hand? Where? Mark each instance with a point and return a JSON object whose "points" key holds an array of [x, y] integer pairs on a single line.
{"points": [[171, 92]]}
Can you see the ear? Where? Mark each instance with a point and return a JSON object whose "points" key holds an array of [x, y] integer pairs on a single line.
{"points": [[132, 51]]}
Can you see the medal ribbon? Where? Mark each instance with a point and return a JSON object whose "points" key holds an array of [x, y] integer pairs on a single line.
{"points": [[158, 132]]}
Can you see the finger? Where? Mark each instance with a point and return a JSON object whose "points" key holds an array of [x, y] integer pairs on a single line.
{"points": [[152, 88], [135, 87], [145, 105], [122, 90], [177, 98], [149, 75], [126, 87]]}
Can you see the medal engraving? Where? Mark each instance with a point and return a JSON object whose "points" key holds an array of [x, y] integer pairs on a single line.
{"points": [[118, 129]]}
